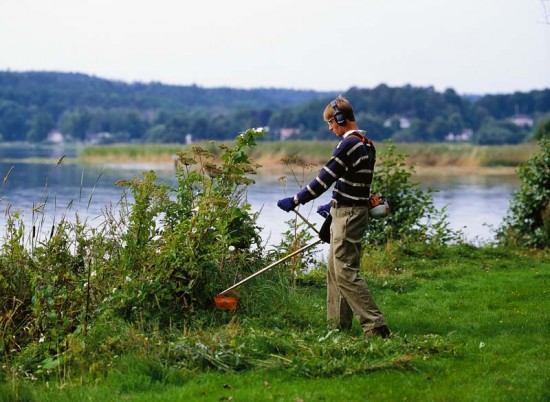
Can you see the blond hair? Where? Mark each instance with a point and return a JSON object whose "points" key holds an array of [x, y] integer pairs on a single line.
{"points": [[343, 105]]}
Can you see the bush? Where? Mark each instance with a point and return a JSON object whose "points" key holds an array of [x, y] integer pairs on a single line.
{"points": [[184, 245], [15, 286], [158, 260], [413, 214], [528, 222]]}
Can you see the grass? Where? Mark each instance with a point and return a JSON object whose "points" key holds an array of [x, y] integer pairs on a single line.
{"points": [[469, 324], [269, 154]]}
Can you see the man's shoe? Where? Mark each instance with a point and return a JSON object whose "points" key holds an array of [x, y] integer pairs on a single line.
{"points": [[383, 332]]}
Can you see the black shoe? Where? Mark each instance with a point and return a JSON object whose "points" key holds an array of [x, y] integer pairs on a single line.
{"points": [[383, 332]]}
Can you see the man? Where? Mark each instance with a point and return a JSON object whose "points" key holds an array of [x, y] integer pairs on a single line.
{"points": [[351, 170]]}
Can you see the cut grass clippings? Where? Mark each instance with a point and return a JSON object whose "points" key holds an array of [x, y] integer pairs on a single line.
{"points": [[469, 324]]}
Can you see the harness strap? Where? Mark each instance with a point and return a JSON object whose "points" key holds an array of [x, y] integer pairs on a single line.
{"points": [[363, 138], [366, 141]]}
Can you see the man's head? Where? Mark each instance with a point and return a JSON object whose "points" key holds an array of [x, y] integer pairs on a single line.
{"points": [[339, 116]]}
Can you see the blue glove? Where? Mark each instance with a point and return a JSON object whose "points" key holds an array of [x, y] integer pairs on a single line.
{"points": [[286, 204], [324, 210]]}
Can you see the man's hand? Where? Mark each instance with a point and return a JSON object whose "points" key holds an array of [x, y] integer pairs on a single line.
{"points": [[286, 204], [324, 210]]}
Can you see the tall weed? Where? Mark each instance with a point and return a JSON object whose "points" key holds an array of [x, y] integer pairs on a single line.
{"points": [[414, 217], [298, 233], [185, 244], [156, 260], [528, 223]]}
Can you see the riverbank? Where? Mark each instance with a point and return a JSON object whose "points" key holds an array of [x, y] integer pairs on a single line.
{"points": [[428, 159], [121, 307], [468, 324]]}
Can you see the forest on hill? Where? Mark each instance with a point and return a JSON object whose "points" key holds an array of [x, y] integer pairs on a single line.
{"points": [[50, 106]]}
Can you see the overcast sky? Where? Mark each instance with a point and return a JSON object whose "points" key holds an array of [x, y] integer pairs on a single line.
{"points": [[473, 46]]}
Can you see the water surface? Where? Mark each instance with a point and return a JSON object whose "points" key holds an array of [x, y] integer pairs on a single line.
{"points": [[475, 204]]}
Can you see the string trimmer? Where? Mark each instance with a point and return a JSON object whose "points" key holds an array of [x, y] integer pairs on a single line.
{"points": [[229, 303]]}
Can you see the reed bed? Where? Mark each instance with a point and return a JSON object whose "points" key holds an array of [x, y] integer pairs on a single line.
{"points": [[437, 157], [467, 155]]}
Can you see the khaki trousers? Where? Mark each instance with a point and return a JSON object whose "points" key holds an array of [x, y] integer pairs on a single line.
{"points": [[347, 292]]}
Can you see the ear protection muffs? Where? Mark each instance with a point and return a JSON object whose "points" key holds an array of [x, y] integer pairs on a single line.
{"points": [[338, 115]]}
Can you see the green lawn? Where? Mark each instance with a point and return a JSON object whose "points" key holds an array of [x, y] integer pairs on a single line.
{"points": [[470, 324]]}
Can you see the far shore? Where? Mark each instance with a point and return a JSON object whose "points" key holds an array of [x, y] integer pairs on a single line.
{"points": [[269, 166], [428, 159]]}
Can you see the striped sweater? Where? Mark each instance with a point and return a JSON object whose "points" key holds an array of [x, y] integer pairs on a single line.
{"points": [[351, 168]]}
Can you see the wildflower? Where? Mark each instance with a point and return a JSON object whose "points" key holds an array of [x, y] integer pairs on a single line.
{"points": [[128, 279], [201, 346], [231, 248], [42, 339]]}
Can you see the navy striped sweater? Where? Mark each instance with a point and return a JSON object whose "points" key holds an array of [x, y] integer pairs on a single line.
{"points": [[351, 167]]}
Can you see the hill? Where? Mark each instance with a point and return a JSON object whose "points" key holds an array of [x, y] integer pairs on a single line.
{"points": [[45, 90], [92, 109]]}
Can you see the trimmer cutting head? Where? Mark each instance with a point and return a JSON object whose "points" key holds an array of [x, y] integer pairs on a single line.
{"points": [[227, 303]]}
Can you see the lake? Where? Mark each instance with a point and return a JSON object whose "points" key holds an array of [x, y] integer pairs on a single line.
{"points": [[475, 204]]}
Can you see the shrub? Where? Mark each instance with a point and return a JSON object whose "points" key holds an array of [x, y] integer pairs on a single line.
{"points": [[184, 245], [15, 288], [413, 214], [158, 260], [528, 222]]}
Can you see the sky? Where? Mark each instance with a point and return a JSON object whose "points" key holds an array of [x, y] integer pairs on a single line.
{"points": [[472, 46]]}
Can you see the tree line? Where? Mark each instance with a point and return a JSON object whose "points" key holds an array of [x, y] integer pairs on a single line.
{"points": [[85, 108]]}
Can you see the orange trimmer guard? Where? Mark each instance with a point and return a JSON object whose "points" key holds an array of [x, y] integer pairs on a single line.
{"points": [[226, 303]]}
